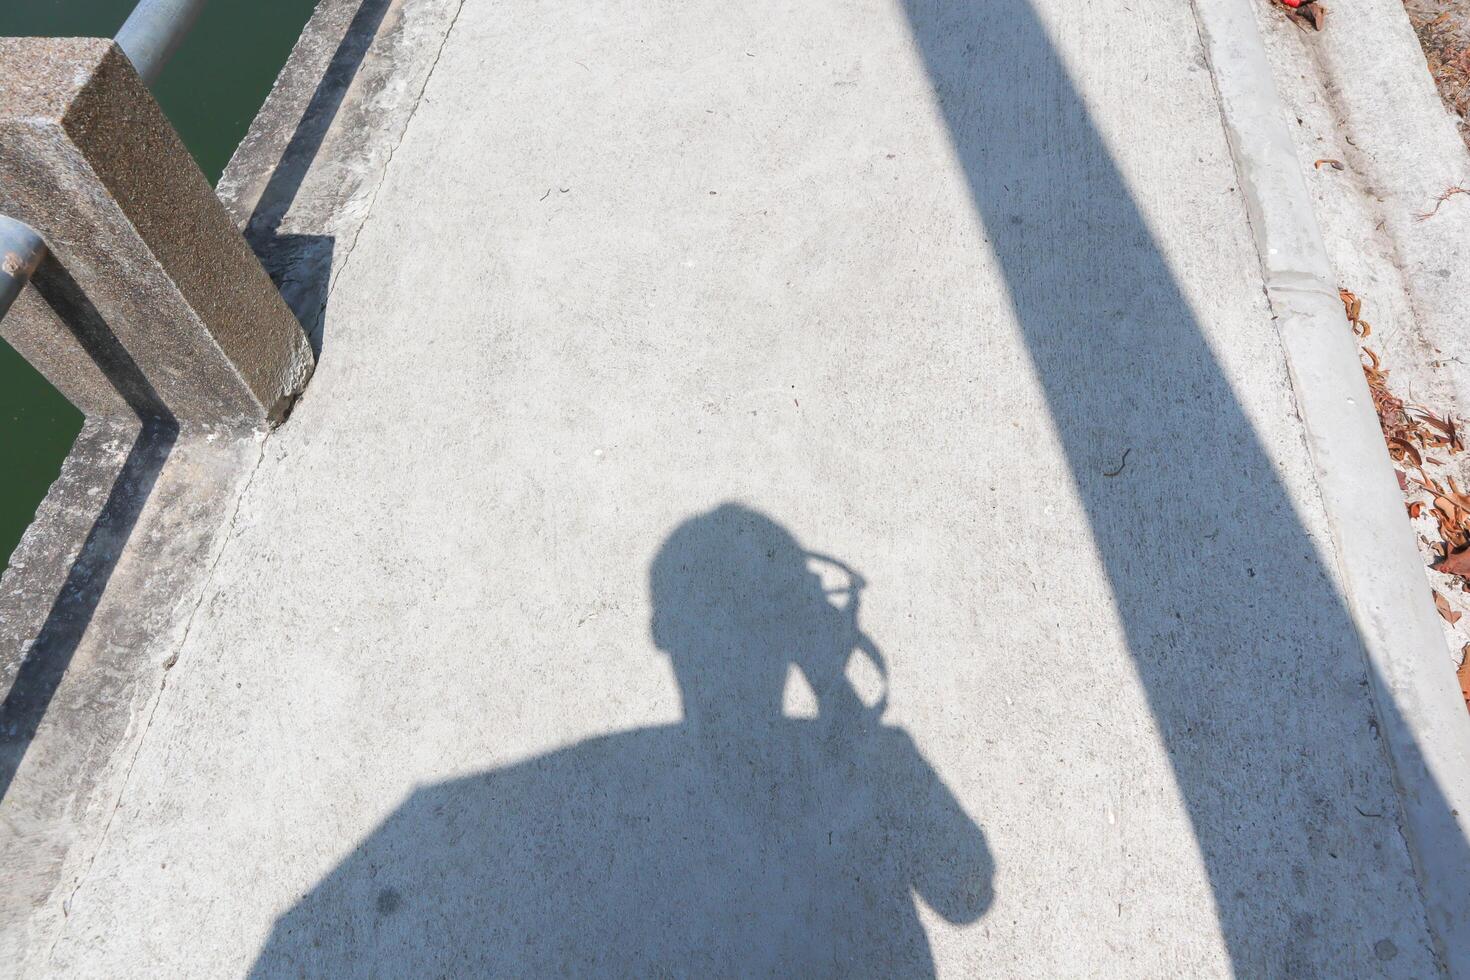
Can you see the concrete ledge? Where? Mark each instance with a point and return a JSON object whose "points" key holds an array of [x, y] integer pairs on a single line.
{"points": [[302, 181], [97, 597]]}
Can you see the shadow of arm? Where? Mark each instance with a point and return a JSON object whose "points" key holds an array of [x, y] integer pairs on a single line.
{"points": [[949, 862]]}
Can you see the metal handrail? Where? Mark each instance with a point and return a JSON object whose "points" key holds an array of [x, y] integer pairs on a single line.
{"points": [[149, 37], [154, 31], [21, 251]]}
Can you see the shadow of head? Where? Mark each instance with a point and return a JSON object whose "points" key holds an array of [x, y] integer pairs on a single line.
{"points": [[737, 603]]}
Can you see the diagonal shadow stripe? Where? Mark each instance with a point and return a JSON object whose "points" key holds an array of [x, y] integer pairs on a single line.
{"points": [[1243, 646]]}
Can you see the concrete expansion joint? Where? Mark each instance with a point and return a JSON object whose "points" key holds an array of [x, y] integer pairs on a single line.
{"points": [[1301, 282]]}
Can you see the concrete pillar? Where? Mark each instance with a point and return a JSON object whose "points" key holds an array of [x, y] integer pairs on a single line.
{"points": [[153, 304]]}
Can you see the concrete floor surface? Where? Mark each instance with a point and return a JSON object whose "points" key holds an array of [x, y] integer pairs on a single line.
{"points": [[788, 488]]}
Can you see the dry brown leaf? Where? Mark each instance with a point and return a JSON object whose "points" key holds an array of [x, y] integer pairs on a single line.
{"points": [[1445, 425], [1443, 605], [1353, 307], [1309, 15], [1416, 508], [1458, 563], [1406, 450], [1334, 164], [1464, 674]]}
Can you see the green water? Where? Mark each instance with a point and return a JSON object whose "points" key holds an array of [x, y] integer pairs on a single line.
{"points": [[211, 91]]}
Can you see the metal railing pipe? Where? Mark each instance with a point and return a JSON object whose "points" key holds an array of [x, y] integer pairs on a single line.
{"points": [[154, 31], [21, 251]]}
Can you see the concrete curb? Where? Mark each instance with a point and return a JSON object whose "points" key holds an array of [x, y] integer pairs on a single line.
{"points": [[1366, 97], [1424, 723]]}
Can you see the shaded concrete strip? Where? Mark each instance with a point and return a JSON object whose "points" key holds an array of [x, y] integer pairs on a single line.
{"points": [[1424, 722], [1241, 674]]}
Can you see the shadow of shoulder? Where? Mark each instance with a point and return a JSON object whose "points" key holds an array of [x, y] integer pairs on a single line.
{"points": [[655, 851]]}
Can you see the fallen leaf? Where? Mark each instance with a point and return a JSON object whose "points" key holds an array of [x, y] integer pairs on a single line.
{"points": [[1448, 434], [1464, 674], [1443, 605], [1408, 431], [1334, 164], [1407, 448], [1457, 563]]}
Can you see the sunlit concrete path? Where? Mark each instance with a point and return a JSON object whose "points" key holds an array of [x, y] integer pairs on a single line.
{"points": [[799, 488]]}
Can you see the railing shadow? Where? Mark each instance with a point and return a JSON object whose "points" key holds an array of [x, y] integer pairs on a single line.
{"points": [[1243, 645], [45, 662]]}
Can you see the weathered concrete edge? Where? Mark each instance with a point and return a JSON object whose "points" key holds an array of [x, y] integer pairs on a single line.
{"points": [[1362, 94], [1402, 143], [55, 812], [1424, 722]]}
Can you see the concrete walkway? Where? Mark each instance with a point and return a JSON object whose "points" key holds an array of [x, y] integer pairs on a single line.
{"points": [[517, 659]]}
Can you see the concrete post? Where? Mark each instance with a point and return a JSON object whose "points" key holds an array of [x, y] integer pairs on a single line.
{"points": [[152, 303]]}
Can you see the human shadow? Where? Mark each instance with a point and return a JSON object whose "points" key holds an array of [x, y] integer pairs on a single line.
{"points": [[737, 842]]}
